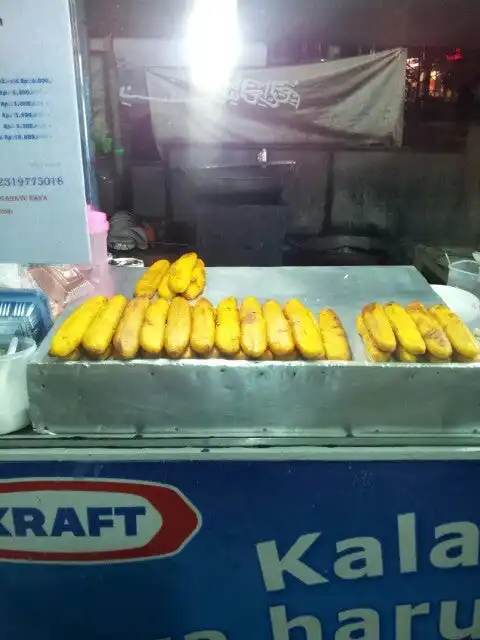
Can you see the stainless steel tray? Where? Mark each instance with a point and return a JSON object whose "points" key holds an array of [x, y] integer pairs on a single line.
{"points": [[279, 399]]}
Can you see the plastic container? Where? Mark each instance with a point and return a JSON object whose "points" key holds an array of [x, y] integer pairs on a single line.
{"points": [[97, 271], [24, 313], [463, 303], [63, 284], [14, 410], [465, 274]]}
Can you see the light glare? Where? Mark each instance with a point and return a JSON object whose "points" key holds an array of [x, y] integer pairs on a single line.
{"points": [[213, 43]]}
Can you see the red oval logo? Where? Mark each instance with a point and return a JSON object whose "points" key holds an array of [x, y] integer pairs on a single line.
{"points": [[93, 520]]}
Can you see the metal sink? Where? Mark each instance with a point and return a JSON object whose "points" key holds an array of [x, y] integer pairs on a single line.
{"points": [[261, 179]]}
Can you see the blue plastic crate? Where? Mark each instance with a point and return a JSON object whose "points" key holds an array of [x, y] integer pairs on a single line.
{"points": [[24, 312]]}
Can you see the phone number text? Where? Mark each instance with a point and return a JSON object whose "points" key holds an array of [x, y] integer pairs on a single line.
{"points": [[32, 181]]}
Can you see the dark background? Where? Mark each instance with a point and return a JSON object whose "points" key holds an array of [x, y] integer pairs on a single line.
{"points": [[360, 22]]}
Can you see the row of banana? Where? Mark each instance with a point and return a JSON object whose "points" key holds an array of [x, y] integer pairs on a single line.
{"points": [[124, 328], [100, 328], [410, 333], [185, 277]]}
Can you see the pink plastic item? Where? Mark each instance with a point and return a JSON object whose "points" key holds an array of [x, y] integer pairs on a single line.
{"points": [[97, 221], [98, 270]]}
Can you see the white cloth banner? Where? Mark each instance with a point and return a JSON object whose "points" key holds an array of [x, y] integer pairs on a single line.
{"points": [[354, 100]]}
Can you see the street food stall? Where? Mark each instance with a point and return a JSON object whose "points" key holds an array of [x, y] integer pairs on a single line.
{"points": [[222, 453]]}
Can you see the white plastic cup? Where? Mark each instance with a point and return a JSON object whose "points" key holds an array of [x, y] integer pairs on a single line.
{"points": [[465, 274], [14, 409]]}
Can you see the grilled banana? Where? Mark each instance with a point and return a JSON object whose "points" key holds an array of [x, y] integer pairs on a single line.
{"points": [[333, 335], [379, 327], [127, 335], [305, 330], [405, 329], [197, 284], [99, 334], [164, 290], [279, 335], [202, 339], [373, 352], [70, 334], [402, 355], [436, 341], [179, 327], [253, 331], [148, 284], [227, 333], [152, 333], [464, 360], [435, 360], [462, 339], [106, 354], [181, 272]]}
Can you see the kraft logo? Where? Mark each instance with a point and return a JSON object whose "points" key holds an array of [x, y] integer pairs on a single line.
{"points": [[91, 520]]}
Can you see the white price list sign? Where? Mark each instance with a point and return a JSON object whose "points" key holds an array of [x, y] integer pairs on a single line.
{"points": [[42, 189]]}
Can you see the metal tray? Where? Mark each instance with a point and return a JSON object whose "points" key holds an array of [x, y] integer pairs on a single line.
{"points": [[279, 399]]}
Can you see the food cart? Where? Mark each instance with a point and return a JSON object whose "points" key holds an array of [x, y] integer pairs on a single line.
{"points": [[213, 500], [223, 499]]}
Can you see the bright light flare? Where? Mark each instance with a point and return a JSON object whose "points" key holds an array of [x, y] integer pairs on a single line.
{"points": [[212, 43]]}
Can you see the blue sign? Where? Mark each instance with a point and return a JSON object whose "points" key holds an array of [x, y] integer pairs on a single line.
{"points": [[247, 550]]}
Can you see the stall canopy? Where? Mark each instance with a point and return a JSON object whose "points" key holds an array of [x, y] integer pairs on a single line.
{"points": [[355, 100]]}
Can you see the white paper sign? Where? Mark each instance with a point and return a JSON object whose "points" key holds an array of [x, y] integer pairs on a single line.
{"points": [[42, 190]]}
